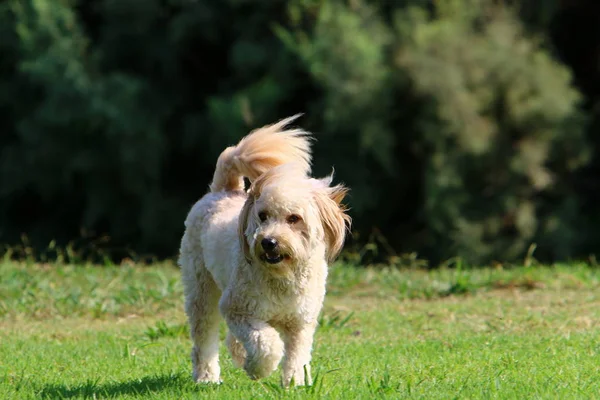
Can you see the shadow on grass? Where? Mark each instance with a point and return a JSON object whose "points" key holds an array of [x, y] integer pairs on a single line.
{"points": [[93, 390]]}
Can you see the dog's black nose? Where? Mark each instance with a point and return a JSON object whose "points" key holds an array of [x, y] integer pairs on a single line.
{"points": [[268, 243]]}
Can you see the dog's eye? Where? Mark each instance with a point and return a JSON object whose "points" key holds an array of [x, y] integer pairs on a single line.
{"points": [[292, 219], [262, 216]]}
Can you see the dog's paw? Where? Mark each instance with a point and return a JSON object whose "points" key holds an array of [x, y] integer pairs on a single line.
{"points": [[263, 364], [299, 376], [265, 355], [206, 375], [260, 367], [207, 378]]}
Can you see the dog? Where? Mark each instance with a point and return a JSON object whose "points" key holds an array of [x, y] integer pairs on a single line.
{"points": [[258, 258]]}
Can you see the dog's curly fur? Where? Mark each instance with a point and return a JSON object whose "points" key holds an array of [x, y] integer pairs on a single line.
{"points": [[269, 293]]}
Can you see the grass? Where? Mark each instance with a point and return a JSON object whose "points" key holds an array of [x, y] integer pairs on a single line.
{"points": [[84, 332]]}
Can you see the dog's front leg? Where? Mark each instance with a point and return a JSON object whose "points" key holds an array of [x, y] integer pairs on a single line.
{"points": [[298, 347], [264, 347]]}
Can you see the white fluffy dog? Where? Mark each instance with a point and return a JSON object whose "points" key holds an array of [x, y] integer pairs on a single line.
{"points": [[259, 258]]}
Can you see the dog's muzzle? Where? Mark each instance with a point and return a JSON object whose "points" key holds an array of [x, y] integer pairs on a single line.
{"points": [[272, 254]]}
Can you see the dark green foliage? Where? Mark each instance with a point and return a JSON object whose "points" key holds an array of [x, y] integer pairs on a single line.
{"points": [[455, 125], [508, 134], [83, 137], [494, 124], [118, 136]]}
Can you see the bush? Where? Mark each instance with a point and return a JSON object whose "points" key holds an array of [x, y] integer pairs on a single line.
{"points": [[456, 129], [86, 148], [496, 129], [113, 128]]}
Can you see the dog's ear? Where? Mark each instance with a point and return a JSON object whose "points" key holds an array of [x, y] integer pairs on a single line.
{"points": [[243, 225], [333, 217]]}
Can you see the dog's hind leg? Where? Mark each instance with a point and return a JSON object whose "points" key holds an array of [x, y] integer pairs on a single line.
{"points": [[201, 305], [236, 349]]}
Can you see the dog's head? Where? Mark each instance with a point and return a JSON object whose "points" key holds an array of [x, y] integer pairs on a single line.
{"points": [[290, 218]]}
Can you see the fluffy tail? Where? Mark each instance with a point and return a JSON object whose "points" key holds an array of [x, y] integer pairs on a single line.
{"points": [[259, 151]]}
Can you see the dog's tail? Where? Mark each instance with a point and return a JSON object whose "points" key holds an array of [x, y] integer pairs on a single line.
{"points": [[258, 152]]}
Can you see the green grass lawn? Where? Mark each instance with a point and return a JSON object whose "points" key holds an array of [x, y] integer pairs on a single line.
{"points": [[120, 332]]}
